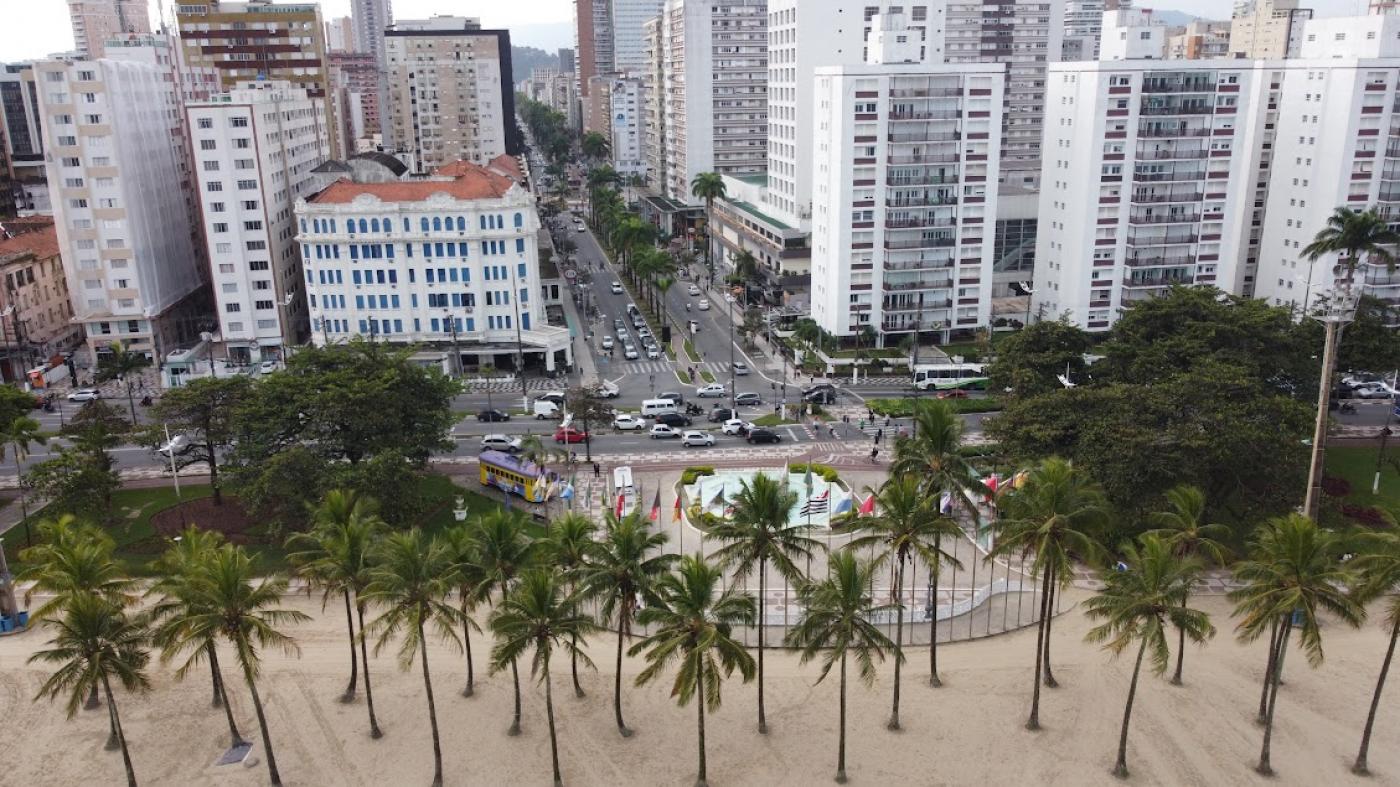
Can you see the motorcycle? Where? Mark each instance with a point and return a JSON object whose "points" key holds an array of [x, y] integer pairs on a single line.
{"points": [[693, 409], [1347, 408], [145, 401]]}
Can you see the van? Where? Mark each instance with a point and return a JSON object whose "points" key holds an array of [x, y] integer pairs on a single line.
{"points": [[545, 409], [655, 407]]}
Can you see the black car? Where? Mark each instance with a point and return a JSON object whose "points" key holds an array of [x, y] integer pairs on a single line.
{"points": [[762, 436], [492, 416], [823, 396], [672, 419], [721, 414], [748, 399], [811, 389]]}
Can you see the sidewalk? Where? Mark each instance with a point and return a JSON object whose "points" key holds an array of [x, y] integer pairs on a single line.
{"points": [[584, 362]]}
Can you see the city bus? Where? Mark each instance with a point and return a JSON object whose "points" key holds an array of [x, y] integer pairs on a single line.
{"points": [[947, 376], [513, 475], [624, 499]]}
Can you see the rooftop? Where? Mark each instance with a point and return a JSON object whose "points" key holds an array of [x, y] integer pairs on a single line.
{"points": [[29, 236], [753, 179], [460, 180], [758, 214]]}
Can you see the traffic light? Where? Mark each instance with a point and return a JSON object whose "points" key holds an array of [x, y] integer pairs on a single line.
{"points": [[666, 334]]}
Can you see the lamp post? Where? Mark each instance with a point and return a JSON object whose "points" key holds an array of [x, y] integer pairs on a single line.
{"points": [[456, 350], [208, 338], [4, 339], [733, 405], [1334, 312]]}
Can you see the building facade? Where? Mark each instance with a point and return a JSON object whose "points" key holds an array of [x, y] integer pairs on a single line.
{"points": [[340, 35], [23, 140], [41, 322], [654, 102], [451, 93], [1267, 29], [1201, 39], [255, 148], [355, 83], [1132, 34], [627, 128], [449, 262], [95, 21], [593, 55], [627, 20]]}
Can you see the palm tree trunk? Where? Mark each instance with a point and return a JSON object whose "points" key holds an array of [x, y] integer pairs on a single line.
{"points": [[92, 700], [432, 710], [700, 706], [1268, 672], [573, 666], [121, 737], [1120, 769], [215, 679], [467, 641], [1359, 767], [349, 695], [1033, 723], [1264, 768], [549, 713], [273, 775], [374, 731], [893, 723], [617, 678], [221, 695], [841, 740], [515, 723], [131, 402], [762, 586], [933, 679], [1051, 590], [113, 739], [1180, 650]]}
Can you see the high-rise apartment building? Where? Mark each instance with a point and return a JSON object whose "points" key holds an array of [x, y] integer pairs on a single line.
{"points": [[95, 21], [355, 83], [627, 126], [254, 150], [1132, 34], [626, 21], [123, 194], [23, 139], [257, 39], [1267, 29], [372, 18], [654, 102], [715, 87], [593, 47], [905, 160], [1083, 26], [566, 60], [1201, 39], [340, 35], [451, 92]]}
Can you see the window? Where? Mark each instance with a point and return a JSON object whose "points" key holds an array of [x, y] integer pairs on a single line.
{"points": [[262, 305], [241, 143], [206, 122], [250, 204], [238, 122], [243, 163], [216, 207], [258, 265], [252, 226], [247, 185], [214, 185], [233, 308], [257, 245], [223, 248], [207, 144], [262, 284], [220, 227], [225, 267]]}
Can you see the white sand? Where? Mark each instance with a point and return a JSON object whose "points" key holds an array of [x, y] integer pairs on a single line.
{"points": [[969, 732]]}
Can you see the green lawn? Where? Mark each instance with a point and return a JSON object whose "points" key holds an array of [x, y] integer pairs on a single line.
{"points": [[1358, 466], [706, 376], [690, 352], [772, 419], [903, 408]]}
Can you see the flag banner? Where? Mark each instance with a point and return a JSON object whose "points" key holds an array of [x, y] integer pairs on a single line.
{"points": [[568, 493], [867, 506], [620, 499], [719, 498], [843, 506], [817, 505], [807, 479], [656, 506], [676, 512]]}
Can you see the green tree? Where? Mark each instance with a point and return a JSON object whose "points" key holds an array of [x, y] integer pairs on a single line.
{"points": [[1379, 567], [122, 365], [1183, 529], [595, 146], [504, 551], [756, 535], [835, 624], [18, 435], [694, 621], [283, 490], [539, 617], [94, 642], [568, 547], [907, 528], [622, 573], [1293, 571], [1029, 361], [204, 411], [1371, 342], [708, 186], [1355, 236], [468, 576], [590, 409], [1053, 515], [411, 580], [1136, 604], [73, 559]]}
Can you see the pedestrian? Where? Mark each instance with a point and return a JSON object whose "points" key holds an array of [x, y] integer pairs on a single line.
{"points": [[862, 424], [846, 419], [879, 435], [871, 413], [874, 454], [831, 430], [887, 420], [596, 470]]}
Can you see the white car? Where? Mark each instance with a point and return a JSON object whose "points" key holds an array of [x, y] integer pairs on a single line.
{"points": [[703, 305], [1372, 391], [741, 368], [267, 367], [617, 288], [84, 395], [653, 352], [630, 352], [736, 426], [607, 390], [178, 445], [693, 290], [695, 438], [662, 431], [608, 342], [500, 442], [579, 227], [711, 390], [629, 423]]}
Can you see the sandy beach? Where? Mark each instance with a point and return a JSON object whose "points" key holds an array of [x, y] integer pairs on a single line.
{"points": [[968, 732]]}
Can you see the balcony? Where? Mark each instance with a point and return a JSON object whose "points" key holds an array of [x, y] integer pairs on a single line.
{"points": [[931, 92], [919, 221], [920, 243], [924, 136], [1178, 86], [1167, 155], [1155, 281], [1153, 198], [1159, 132], [942, 158], [1176, 109], [1163, 218], [1167, 177], [931, 114], [921, 284], [917, 265], [1163, 239], [921, 180], [908, 201], [1157, 261]]}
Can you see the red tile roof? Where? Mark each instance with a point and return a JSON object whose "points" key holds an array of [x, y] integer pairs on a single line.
{"points": [[507, 165], [469, 181], [38, 238]]}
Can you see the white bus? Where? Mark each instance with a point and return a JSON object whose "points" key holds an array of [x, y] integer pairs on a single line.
{"points": [[946, 376], [623, 491]]}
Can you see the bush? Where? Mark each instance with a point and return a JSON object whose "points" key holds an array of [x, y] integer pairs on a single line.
{"points": [[689, 474], [827, 472], [903, 408]]}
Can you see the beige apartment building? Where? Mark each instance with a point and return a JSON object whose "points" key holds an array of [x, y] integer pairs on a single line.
{"points": [[1267, 29], [41, 323], [95, 21]]}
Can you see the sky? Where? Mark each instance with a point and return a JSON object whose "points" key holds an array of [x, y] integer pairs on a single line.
{"points": [[43, 27]]}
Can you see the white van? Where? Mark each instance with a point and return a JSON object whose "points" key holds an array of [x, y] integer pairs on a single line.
{"points": [[654, 407], [545, 409]]}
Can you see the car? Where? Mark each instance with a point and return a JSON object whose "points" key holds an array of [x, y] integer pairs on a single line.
{"points": [[736, 426], [748, 399], [267, 367], [620, 326], [693, 290], [638, 322], [722, 414], [703, 304], [617, 288], [653, 351], [953, 393], [492, 416], [673, 419], [711, 390], [643, 332], [630, 352], [811, 389], [500, 442], [821, 396], [84, 395], [1372, 391], [608, 342], [545, 409], [628, 422], [763, 436], [179, 445], [693, 438], [579, 228], [676, 398], [741, 368], [607, 390], [556, 397], [568, 434], [662, 431]]}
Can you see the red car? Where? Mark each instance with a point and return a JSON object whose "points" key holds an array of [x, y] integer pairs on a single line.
{"points": [[955, 393], [570, 435]]}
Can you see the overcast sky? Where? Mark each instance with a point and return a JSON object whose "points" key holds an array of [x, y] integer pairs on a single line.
{"points": [[42, 27]]}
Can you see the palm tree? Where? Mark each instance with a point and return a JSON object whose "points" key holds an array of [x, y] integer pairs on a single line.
{"points": [[1293, 572], [1051, 515], [224, 601], [1182, 529], [95, 642], [1137, 603], [178, 574], [757, 535], [836, 623], [335, 555], [568, 548], [696, 627], [20, 434], [595, 146], [461, 545], [536, 617], [1379, 565], [1350, 234], [121, 364], [504, 551], [411, 579], [708, 186], [623, 571], [908, 528]]}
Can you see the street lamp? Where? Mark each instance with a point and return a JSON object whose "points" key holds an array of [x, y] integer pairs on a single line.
{"points": [[456, 351], [733, 404], [1334, 312], [208, 338]]}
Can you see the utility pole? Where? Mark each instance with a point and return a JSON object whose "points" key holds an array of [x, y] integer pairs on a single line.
{"points": [[733, 405], [1336, 312]]}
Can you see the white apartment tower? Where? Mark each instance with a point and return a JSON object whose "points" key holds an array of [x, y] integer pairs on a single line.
{"points": [[627, 124], [654, 102], [95, 21], [905, 160], [254, 149], [371, 18], [1153, 174], [122, 190], [627, 23], [715, 83]]}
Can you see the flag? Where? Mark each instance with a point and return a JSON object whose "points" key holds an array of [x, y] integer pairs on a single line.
{"points": [[568, 493], [807, 479], [619, 504], [868, 505], [718, 499], [656, 506], [814, 506], [676, 512], [843, 507]]}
